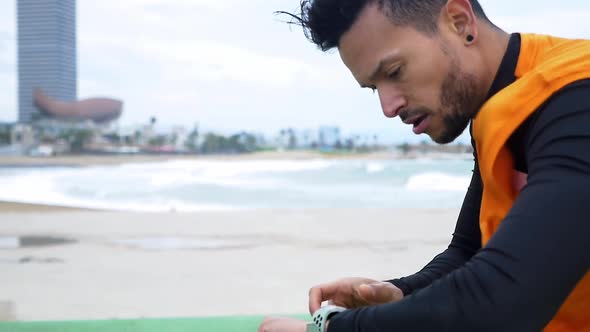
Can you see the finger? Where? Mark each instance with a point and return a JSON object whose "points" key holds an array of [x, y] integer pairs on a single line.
{"points": [[319, 294], [264, 325], [382, 292], [366, 293], [386, 292]]}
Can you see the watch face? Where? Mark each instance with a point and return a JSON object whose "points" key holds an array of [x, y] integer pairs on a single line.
{"points": [[311, 327]]}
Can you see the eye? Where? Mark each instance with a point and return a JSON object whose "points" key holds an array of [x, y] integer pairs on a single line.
{"points": [[395, 74]]}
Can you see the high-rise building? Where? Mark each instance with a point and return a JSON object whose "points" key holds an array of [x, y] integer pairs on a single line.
{"points": [[46, 52]]}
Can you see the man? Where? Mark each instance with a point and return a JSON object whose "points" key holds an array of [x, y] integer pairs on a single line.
{"points": [[519, 257]]}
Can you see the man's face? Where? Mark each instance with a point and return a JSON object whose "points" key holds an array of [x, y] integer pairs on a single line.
{"points": [[417, 77]]}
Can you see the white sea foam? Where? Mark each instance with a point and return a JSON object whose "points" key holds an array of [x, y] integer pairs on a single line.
{"points": [[48, 187], [187, 186], [246, 174], [230, 168], [375, 167], [433, 181], [30, 187]]}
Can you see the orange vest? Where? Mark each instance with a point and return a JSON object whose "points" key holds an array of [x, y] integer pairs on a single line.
{"points": [[545, 65]]}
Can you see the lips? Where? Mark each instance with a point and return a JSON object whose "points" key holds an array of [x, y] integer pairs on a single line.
{"points": [[419, 120], [421, 124], [414, 119]]}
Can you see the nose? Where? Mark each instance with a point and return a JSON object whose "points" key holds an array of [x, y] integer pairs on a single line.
{"points": [[392, 101]]}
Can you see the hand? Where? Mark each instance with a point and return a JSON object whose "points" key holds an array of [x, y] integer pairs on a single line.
{"points": [[353, 293], [282, 324]]}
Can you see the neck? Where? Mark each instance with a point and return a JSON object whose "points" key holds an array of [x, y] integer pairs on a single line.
{"points": [[493, 50]]}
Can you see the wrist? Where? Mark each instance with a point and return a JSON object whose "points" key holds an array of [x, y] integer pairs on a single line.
{"points": [[321, 318]]}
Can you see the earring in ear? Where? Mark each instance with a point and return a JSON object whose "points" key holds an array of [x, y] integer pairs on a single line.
{"points": [[470, 38]]}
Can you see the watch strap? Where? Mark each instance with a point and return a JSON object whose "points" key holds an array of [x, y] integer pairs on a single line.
{"points": [[321, 316]]}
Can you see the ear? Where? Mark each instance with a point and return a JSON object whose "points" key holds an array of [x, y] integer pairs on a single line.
{"points": [[460, 18]]}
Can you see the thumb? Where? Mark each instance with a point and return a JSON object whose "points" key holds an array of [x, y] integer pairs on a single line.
{"points": [[379, 292]]}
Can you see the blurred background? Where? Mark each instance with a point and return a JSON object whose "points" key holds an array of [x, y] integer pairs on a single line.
{"points": [[190, 158]]}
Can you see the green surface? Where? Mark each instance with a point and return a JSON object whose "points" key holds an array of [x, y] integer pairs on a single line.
{"points": [[219, 324]]}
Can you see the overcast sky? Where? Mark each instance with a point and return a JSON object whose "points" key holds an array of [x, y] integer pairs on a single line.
{"points": [[233, 65]]}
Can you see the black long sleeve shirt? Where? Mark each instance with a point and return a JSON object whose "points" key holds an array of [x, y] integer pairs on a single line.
{"points": [[519, 280]]}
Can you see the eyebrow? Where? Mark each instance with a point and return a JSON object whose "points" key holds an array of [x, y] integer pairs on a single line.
{"points": [[380, 66]]}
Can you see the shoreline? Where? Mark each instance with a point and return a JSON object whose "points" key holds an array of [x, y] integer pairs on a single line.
{"points": [[18, 207], [30, 202], [106, 160], [115, 160]]}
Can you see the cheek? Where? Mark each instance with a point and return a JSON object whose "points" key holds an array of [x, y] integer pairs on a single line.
{"points": [[424, 95], [425, 84]]}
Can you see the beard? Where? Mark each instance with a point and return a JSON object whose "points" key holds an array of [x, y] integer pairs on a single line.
{"points": [[460, 101]]}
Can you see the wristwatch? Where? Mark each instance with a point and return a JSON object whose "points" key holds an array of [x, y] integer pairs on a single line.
{"points": [[321, 316]]}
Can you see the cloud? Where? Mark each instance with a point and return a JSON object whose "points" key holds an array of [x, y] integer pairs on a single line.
{"points": [[7, 18], [7, 97], [176, 4], [188, 46], [7, 40], [558, 22], [207, 60], [232, 64], [7, 55], [186, 64]]}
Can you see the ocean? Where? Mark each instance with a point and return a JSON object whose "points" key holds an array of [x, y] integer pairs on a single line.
{"points": [[201, 185]]}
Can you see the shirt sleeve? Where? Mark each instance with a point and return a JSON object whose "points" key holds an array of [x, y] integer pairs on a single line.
{"points": [[540, 252], [465, 243]]}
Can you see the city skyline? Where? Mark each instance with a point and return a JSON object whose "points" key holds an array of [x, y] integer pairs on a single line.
{"points": [[46, 48], [234, 65]]}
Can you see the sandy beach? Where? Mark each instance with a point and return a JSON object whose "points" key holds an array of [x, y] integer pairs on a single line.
{"points": [[76, 264]]}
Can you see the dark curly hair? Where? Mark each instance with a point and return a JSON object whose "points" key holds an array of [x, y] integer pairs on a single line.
{"points": [[325, 21]]}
